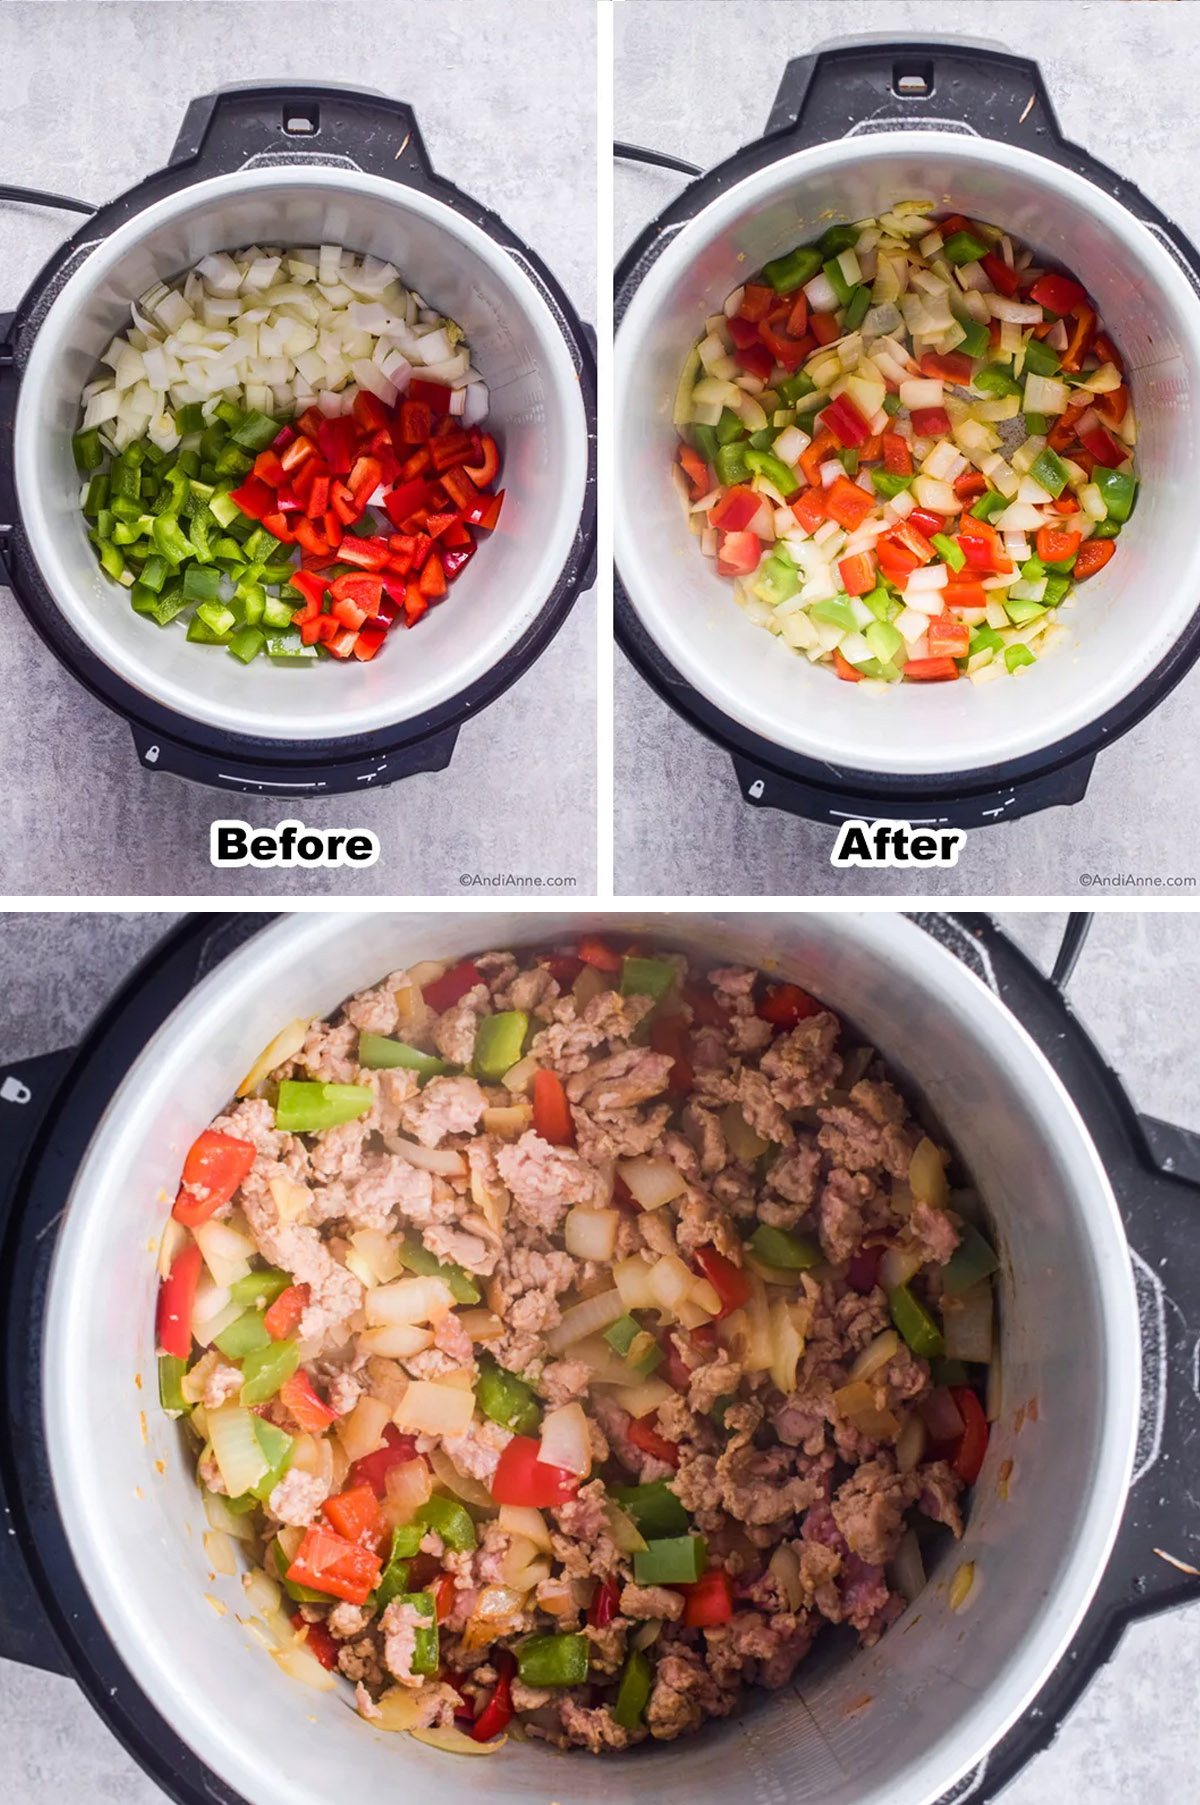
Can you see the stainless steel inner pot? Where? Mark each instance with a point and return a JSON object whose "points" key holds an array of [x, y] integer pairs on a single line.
{"points": [[896, 1725], [537, 413], [1125, 620]]}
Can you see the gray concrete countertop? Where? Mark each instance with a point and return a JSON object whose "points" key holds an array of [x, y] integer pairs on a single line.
{"points": [[93, 97], [1138, 989], [699, 81]]}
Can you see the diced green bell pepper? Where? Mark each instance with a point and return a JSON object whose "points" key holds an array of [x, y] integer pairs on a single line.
{"points": [[1106, 529], [835, 239], [704, 439], [635, 1345], [985, 639], [654, 1507], [837, 281], [915, 1323], [848, 459], [247, 644], [1036, 425], [189, 418], [265, 1370], [258, 1289], [507, 1399], [776, 472], [1015, 656], [201, 584], [394, 1579], [1056, 588], [646, 977], [416, 1257], [378, 1053], [256, 432], [976, 340], [949, 1372], [794, 388], [244, 1336], [170, 1379], [671, 1561], [992, 380], [731, 463], [891, 405], [973, 1259], [1021, 613], [776, 580], [553, 1660], [1041, 359], [882, 603], [781, 1248], [1117, 490], [425, 1658], [857, 307], [633, 1692], [835, 613], [952, 553], [795, 269], [306, 1107], [278, 1447], [450, 1520], [889, 483], [171, 542], [963, 247], [990, 503], [1049, 470], [87, 451], [499, 1041], [96, 498], [885, 642]]}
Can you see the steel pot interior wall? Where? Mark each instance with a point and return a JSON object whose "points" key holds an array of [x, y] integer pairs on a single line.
{"points": [[1126, 618], [896, 1723], [537, 414]]}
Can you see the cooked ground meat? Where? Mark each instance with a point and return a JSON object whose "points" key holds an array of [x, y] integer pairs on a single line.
{"points": [[801, 1469]]}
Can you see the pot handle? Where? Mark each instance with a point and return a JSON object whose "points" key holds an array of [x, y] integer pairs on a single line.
{"points": [[26, 1091], [764, 787], [954, 85], [158, 753]]}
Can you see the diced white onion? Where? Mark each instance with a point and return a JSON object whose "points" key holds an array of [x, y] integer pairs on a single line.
{"points": [[432, 1409], [565, 1441], [585, 1318]]}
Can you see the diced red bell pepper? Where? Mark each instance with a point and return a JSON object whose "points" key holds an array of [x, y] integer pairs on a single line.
{"points": [[282, 1318], [435, 394], [319, 1641], [1102, 446], [369, 640], [797, 322], [911, 539], [416, 422], [432, 583], [1053, 546], [369, 411], [453, 448], [373, 1469], [1080, 341], [846, 503], [727, 1280], [214, 1168], [863, 1271], [359, 587], [895, 561], [784, 1005], [1114, 405], [461, 489], [668, 1034], [368, 554], [268, 469], [814, 455], [948, 637], [176, 1302], [897, 455], [1094, 554], [948, 366], [925, 521], [355, 1514], [442, 993], [982, 546], [342, 643], [645, 1436], [317, 503], [930, 422], [485, 512], [1059, 293], [606, 1601], [970, 485], [743, 332], [809, 508], [552, 1118], [964, 595], [304, 1405], [738, 554], [297, 453], [437, 524], [337, 440], [757, 301], [415, 604], [931, 670], [843, 668], [709, 1600], [277, 525], [1002, 279], [405, 499], [844, 421], [824, 327], [497, 1713], [456, 559], [313, 542], [787, 351], [599, 954], [328, 1563], [967, 1458], [254, 498], [522, 1478], [364, 479], [697, 472], [487, 469], [756, 360]]}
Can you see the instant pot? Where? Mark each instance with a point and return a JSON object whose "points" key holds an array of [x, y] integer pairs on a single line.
{"points": [[854, 129], [103, 1574], [303, 165]]}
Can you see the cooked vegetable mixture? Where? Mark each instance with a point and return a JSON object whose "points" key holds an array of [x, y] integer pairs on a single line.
{"points": [[908, 442], [567, 1339], [285, 449]]}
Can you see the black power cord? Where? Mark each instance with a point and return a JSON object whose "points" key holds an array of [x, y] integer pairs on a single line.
{"points": [[39, 197], [637, 153], [1078, 927]]}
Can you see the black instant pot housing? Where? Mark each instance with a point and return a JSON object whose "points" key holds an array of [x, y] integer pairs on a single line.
{"points": [[222, 132], [836, 93], [49, 1108]]}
